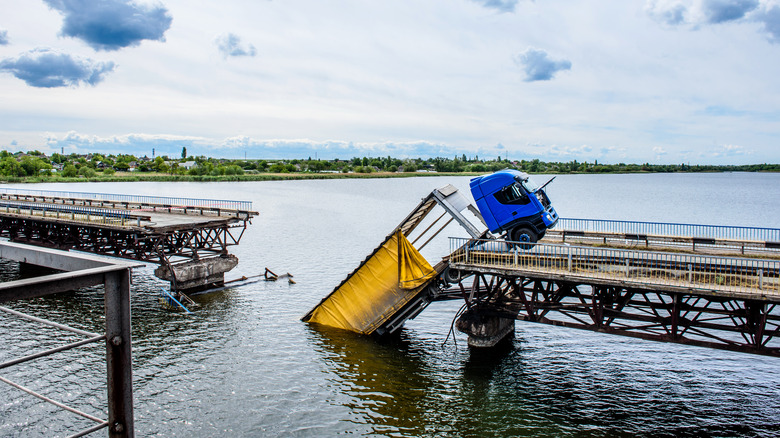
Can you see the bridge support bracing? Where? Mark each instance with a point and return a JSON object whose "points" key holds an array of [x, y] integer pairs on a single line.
{"points": [[695, 318]]}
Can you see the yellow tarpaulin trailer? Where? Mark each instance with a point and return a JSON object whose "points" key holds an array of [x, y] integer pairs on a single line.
{"points": [[383, 284], [389, 287]]}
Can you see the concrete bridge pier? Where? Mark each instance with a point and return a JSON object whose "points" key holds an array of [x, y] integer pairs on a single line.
{"points": [[485, 330], [196, 275]]}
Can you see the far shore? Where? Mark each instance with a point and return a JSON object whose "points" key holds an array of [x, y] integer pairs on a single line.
{"points": [[266, 176], [163, 177]]}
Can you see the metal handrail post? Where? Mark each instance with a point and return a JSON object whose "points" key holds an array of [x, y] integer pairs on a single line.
{"points": [[118, 354]]}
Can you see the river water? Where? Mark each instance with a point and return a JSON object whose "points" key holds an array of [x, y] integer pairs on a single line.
{"points": [[244, 364]]}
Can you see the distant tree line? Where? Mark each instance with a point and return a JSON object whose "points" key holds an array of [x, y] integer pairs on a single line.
{"points": [[38, 165]]}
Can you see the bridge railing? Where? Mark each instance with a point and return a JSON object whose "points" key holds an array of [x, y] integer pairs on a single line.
{"points": [[69, 212], [728, 274], [135, 199], [669, 229]]}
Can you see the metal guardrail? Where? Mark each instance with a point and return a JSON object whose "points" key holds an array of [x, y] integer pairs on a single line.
{"points": [[93, 337], [669, 229], [136, 199], [727, 274], [80, 270], [73, 213]]}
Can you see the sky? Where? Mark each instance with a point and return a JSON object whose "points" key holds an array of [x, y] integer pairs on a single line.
{"points": [[631, 81]]}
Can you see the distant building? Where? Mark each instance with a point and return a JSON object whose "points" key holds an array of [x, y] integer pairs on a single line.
{"points": [[188, 165]]}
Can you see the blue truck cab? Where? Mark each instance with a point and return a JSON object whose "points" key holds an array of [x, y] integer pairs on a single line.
{"points": [[511, 203]]}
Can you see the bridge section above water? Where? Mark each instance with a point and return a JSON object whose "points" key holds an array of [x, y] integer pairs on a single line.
{"points": [[714, 301], [188, 237]]}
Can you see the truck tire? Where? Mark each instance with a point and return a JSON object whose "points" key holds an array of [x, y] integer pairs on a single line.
{"points": [[452, 276], [524, 236]]}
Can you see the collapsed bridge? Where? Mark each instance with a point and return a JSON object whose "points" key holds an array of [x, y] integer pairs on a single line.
{"points": [[704, 285], [188, 237]]}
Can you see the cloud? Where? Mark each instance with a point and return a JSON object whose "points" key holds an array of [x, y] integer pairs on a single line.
{"points": [[724, 111], [280, 149], [613, 152], [136, 144], [699, 13], [770, 18], [672, 12], [235, 147], [583, 152], [677, 12], [3, 37], [729, 150], [562, 152], [659, 152], [112, 24], [45, 68], [721, 11], [499, 5], [538, 66], [230, 45]]}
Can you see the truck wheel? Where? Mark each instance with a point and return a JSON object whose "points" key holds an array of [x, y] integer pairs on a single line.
{"points": [[452, 276], [525, 236]]}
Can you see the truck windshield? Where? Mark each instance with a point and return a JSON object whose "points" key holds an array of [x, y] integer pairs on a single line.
{"points": [[529, 185], [512, 195]]}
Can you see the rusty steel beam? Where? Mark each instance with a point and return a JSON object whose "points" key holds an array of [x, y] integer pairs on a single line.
{"points": [[155, 247], [727, 323]]}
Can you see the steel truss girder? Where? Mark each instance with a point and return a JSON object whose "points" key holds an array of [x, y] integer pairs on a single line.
{"points": [[157, 247], [750, 326]]}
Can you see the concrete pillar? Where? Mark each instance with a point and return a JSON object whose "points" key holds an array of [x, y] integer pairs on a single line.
{"points": [[194, 275], [484, 330]]}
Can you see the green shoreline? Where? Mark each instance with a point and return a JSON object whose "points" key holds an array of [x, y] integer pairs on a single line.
{"points": [[227, 178], [36, 167], [286, 176]]}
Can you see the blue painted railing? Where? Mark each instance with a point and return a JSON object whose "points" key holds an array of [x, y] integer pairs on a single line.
{"points": [[71, 212], [135, 199], [669, 229]]}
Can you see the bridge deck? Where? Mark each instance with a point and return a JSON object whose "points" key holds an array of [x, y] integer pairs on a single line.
{"points": [[143, 228], [141, 214], [728, 277], [159, 222]]}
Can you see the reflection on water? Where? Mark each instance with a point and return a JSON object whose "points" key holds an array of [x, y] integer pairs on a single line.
{"points": [[388, 384], [400, 389], [244, 365]]}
